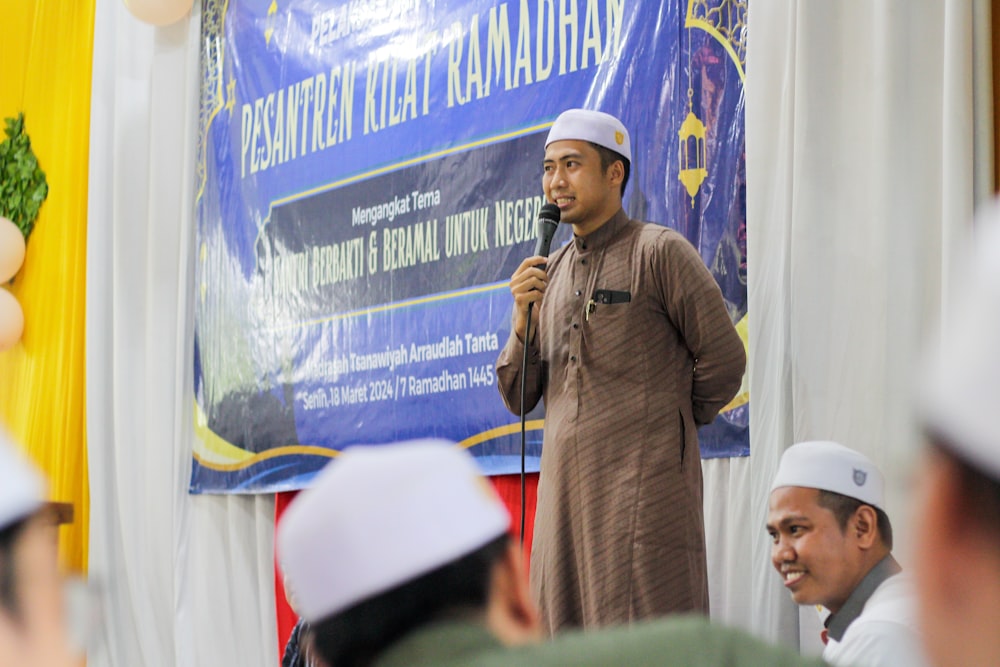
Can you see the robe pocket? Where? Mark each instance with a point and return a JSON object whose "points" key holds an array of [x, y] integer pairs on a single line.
{"points": [[612, 335], [687, 432]]}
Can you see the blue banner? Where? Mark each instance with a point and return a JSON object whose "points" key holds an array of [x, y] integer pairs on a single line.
{"points": [[369, 178]]}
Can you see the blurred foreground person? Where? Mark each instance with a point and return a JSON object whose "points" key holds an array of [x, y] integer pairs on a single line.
{"points": [[832, 544], [33, 629], [958, 513], [399, 555]]}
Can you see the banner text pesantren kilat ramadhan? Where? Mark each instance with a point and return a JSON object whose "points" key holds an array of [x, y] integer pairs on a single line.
{"points": [[369, 178]]}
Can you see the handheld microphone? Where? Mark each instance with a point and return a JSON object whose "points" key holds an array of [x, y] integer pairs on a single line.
{"points": [[548, 222]]}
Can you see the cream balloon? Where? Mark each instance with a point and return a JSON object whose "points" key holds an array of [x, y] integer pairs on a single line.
{"points": [[11, 249], [159, 12], [11, 320]]}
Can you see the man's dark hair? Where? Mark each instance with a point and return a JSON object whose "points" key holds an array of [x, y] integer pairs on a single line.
{"points": [[844, 507], [981, 492], [8, 568], [608, 158], [355, 636]]}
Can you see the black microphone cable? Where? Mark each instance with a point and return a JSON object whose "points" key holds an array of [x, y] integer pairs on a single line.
{"points": [[524, 385], [545, 225]]}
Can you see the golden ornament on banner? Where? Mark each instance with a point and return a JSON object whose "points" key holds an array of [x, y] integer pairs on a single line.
{"points": [[692, 154]]}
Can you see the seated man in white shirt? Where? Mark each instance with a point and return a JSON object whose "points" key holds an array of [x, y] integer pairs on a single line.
{"points": [[832, 543]]}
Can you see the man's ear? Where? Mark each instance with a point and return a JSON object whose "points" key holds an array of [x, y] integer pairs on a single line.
{"points": [[616, 172], [864, 524], [307, 648], [941, 553], [9, 653]]}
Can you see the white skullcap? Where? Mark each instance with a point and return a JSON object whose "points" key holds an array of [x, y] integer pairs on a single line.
{"points": [[829, 466], [594, 126], [380, 516], [960, 389], [21, 486]]}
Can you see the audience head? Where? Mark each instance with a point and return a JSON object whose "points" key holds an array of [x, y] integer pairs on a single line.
{"points": [[391, 537], [957, 528], [33, 629], [827, 521]]}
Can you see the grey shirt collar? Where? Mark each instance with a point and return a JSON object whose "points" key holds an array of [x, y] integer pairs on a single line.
{"points": [[837, 624]]}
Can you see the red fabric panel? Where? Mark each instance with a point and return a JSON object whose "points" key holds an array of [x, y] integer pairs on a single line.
{"points": [[508, 488], [286, 618]]}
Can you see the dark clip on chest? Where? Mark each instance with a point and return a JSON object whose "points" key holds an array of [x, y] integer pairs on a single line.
{"points": [[606, 297]]}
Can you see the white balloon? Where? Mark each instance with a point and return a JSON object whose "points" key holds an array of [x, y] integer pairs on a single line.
{"points": [[159, 12], [11, 320], [11, 249]]}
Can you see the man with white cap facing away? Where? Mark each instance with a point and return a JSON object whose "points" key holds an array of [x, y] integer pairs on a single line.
{"points": [[395, 537], [33, 629], [633, 350], [832, 543], [957, 554], [399, 556]]}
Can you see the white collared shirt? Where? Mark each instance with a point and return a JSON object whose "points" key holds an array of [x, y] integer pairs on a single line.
{"points": [[885, 634]]}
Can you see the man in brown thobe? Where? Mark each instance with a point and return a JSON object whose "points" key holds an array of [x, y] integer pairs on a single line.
{"points": [[633, 350]]}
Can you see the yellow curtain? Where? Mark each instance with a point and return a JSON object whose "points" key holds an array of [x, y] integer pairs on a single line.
{"points": [[45, 72]]}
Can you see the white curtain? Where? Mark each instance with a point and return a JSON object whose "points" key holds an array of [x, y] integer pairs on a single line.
{"points": [[859, 180], [188, 580]]}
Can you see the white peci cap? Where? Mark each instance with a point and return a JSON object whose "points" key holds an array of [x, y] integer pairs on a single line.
{"points": [[380, 516], [596, 127], [829, 466], [21, 486], [960, 387]]}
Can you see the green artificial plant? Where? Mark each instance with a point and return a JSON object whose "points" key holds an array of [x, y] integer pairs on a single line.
{"points": [[22, 182]]}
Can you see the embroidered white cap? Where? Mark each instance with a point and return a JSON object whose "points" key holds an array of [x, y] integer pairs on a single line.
{"points": [[596, 127], [960, 387], [21, 486], [830, 466], [379, 516]]}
